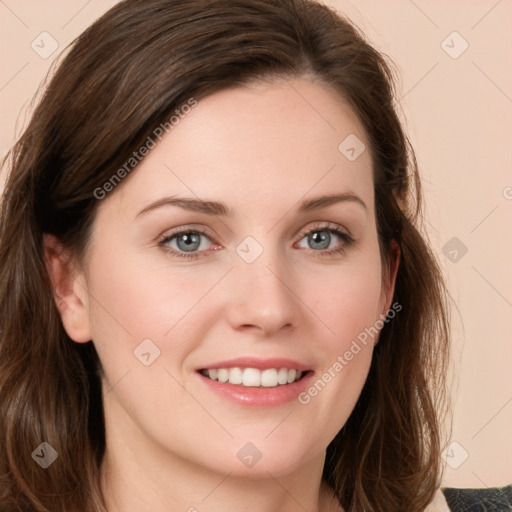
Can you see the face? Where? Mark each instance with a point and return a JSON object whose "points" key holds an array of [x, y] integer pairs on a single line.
{"points": [[262, 285]]}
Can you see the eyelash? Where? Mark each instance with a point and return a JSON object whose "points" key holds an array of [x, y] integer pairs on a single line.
{"points": [[347, 241]]}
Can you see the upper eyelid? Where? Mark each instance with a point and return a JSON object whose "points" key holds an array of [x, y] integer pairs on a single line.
{"points": [[166, 235]]}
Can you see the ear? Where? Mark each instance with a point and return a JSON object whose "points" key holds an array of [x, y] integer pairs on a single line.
{"points": [[389, 279], [69, 290]]}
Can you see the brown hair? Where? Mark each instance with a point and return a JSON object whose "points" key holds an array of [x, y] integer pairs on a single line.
{"points": [[105, 99]]}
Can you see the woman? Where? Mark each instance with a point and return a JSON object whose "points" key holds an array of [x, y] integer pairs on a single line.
{"points": [[172, 337]]}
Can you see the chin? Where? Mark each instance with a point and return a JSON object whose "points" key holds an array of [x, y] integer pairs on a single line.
{"points": [[259, 458]]}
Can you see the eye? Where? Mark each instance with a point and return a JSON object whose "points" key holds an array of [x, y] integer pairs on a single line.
{"points": [[185, 243], [321, 238]]}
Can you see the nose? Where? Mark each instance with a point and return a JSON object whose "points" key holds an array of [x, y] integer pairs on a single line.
{"points": [[263, 298]]}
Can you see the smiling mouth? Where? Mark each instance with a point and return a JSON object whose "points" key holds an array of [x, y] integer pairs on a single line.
{"points": [[252, 377]]}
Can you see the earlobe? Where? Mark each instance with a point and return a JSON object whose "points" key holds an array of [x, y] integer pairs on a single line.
{"points": [[69, 290]]}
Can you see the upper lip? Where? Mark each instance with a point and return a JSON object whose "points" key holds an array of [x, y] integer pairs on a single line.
{"points": [[258, 363]]}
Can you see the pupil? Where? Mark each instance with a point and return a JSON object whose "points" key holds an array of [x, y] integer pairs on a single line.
{"points": [[191, 241], [321, 237]]}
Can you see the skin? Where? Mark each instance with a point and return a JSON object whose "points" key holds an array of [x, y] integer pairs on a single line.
{"points": [[171, 442]]}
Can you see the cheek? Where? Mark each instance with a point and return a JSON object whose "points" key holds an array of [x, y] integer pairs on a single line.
{"points": [[348, 307], [347, 299], [133, 300]]}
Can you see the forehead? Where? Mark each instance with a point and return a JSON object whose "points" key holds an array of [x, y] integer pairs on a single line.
{"points": [[261, 146]]}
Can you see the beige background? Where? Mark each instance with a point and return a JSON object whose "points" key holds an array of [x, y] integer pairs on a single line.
{"points": [[458, 112]]}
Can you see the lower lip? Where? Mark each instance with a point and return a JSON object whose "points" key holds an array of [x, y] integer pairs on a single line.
{"points": [[258, 396]]}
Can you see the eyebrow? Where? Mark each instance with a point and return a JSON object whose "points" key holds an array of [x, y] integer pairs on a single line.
{"points": [[220, 209]]}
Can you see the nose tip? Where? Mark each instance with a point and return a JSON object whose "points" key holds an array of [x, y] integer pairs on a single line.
{"points": [[262, 299]]}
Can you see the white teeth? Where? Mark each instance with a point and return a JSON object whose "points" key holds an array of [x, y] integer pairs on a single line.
{"points": [[235, 376], [222, 375], [282, 376], [291, 375], [269, 378], [252, 377]]}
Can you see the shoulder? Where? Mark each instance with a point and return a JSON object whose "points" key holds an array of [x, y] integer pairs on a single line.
{"points": [[477, 500]]}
